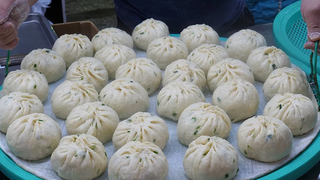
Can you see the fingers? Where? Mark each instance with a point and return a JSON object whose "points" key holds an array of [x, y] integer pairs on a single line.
{"points": [[6, 7], [311, 45], [310, 11], [19, 13], [10, 45], [313, 35], [313, 32], [7, 39], [8, 36], [12, 14], [6, 28]]}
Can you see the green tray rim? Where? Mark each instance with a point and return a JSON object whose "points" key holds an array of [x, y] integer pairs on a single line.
{"points": [[291, 170]]}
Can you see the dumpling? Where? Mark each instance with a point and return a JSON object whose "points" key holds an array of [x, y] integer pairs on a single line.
{"points": [[165, 50], [263, 60], [70, 94], [295, 110], [93, 118], [109, 36], [206, 55], [142, 70], [79, 157], [284, 80], [211, 158], [183, 70], [112, 56], [238, 98], [200, 119], [90, 70], [17, 104], [175, 97], [33, 136], [27, 81], [147, 31], [72, 47], [240, 44], [265, 139], [138, 160], [195, 35], [143, 127], [125, 96], [227, 70], [45, 61]]}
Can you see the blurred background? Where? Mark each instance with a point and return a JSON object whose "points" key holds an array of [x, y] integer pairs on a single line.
{"points": [[101, 12]]}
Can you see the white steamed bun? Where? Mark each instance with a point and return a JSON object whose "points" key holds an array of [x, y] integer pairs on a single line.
{"points": [[195, 35], [202, 119], [71, 47], [240, 44], [147, 31], [165, 50], [45, 61], [27, 81]]}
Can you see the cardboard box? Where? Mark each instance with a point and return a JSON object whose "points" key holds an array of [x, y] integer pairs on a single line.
{"points": [[81, 27]]}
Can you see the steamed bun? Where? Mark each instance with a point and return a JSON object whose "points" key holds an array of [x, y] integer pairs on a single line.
{"points": [[142, 70], [125, 96], [93, 118], [202, 119], [165, 50], [284, 80], [263, 60], [295, 110], [175, 97], [195, 35], [238, 98], [113, 56], [33, 136], [45, 61], [183, 70], [147, 31], [138, 160], [71, 47], [264, 138], [27, 81], [109, 36], [143, 127], [17, 104], [90, 70], [240, 44], [227, 70], [79, 157], [211, 158], [206, 55], [70, 94]]}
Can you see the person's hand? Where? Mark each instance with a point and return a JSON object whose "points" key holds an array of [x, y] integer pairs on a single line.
{"points": [[310, 10], [12, 14]]}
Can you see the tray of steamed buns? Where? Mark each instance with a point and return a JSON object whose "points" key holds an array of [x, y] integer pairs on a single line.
{"points": [[153, 106]]}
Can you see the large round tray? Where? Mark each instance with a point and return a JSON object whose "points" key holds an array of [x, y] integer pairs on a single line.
{"points": [[292, 170]]}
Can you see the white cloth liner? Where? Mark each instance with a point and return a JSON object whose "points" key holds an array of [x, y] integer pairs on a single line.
{"points": [[174, 151]]}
